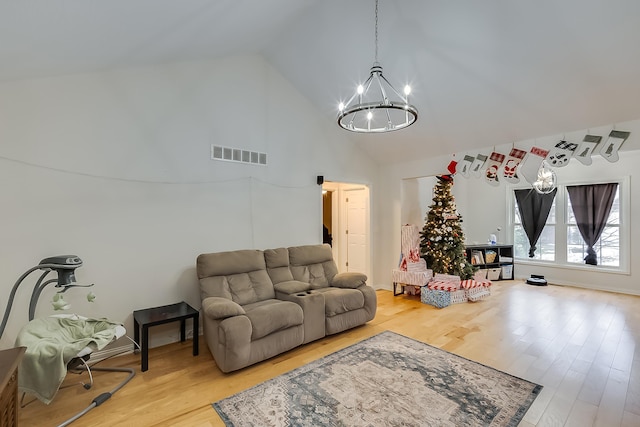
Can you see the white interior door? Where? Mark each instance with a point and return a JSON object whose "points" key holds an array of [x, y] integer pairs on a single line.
{"points": [[357, 206]]}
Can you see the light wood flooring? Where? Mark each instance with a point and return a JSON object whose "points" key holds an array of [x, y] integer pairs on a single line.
{"points": [[579, 344]]}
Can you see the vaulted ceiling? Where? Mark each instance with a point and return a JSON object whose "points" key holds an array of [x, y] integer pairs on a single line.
{"points": [[483, 73]]}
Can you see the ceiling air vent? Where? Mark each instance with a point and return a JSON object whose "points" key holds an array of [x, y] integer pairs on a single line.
{"points": [[238, 155]]}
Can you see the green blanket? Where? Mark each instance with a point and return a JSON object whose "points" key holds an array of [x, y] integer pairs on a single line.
{"points": [[51, 343]]}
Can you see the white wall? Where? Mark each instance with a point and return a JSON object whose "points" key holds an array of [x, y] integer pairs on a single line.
{"points": [[115, 167], [484, 207]]}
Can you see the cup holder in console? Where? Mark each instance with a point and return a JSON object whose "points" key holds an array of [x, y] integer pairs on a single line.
{"points": [[303, 294]]}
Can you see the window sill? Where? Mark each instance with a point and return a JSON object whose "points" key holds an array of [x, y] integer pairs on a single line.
{"points": [[567, 266]]}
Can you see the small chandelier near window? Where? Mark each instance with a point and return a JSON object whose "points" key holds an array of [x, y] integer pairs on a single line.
{"points": [[547, 179], [377, 106]]}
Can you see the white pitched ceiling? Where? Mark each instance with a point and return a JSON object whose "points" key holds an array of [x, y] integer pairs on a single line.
{"points": [[483, 73]]}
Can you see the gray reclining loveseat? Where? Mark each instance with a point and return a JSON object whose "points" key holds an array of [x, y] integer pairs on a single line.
{"points": [[257, 304]]}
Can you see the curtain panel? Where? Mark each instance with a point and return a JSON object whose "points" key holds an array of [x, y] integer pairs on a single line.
{"points": [[591, 207], [534, 210]]}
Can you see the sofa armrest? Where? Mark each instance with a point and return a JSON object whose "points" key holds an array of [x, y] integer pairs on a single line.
{"points": [[221, 308], [291, 287], [349, 280]]}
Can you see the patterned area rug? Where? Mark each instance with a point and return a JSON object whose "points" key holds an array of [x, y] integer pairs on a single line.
{"points": [[385, 380]]}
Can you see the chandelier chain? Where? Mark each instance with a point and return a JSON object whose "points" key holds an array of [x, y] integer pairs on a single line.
{"points": [[376, 32]]}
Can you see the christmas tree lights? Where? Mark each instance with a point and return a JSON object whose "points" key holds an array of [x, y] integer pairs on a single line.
{"points": [[442, 238]]}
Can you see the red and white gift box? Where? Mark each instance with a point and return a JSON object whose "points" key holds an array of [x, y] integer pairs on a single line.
{"points": [[471, 283], [443, 286]]}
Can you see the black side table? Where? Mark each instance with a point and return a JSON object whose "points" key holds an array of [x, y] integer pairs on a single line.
{"points": [[160, 315]]}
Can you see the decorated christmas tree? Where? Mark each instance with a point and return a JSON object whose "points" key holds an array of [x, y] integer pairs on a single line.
{"points": [[442, 239]]}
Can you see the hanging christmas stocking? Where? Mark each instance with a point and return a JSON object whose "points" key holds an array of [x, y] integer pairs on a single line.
{"points": [[509, 170], [561, 154], [452, 166], [586, 148], [531, 164], [610, 149], [464, 167], [492, 166], [478, 163]]}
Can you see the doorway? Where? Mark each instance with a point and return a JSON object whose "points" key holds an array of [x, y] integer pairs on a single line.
{"points": [[346, 224]]}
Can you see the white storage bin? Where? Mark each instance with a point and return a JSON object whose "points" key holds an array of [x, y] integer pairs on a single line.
{"points": [[494, 273], [507, 272]]}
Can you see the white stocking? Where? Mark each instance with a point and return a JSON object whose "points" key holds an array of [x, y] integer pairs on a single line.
{"points": [[491, 168], [477, 165], [464, 167], [610, 149], [561, 153], [586, 148], [509, 170], [531, 164]]}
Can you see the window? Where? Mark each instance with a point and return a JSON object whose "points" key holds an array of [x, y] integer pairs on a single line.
{"points": [[561, 242], [607, 247]]}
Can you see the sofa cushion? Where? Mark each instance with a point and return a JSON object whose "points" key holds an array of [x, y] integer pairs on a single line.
{"points": [[339, 300], [226, 263], [291, 287], [238, 275], [277, 261], [271, 316], [349, 280], [221, 308], [246, 288], [313, 264]]}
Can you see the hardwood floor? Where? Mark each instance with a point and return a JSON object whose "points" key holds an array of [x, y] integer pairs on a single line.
{"points": [[579, 344]]}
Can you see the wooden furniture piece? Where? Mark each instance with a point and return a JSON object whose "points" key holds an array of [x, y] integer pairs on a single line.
{"points": [[160, 315], [503, 260], [9, 361]]}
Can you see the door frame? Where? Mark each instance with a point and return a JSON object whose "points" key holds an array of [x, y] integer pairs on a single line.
{"points": [[340, 190]]}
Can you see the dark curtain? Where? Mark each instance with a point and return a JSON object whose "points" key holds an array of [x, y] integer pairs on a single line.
{"points": [[591, 206], [534, 210]]}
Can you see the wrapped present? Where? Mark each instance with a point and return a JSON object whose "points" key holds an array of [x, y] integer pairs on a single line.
{"points": [[477, 293], [412, 290], [419, 265], [446, 278], [441, 299], [472, 283], [410, 248], [443, 286], [416, 278]]}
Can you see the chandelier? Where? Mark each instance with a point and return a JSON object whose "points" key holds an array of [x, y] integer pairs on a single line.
{"points": [[547, 179], [377, 106]]}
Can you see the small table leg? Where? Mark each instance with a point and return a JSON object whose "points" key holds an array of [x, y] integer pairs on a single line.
{"points": [[183, 334], [145, 348], [196, 324], [136, 334]]}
